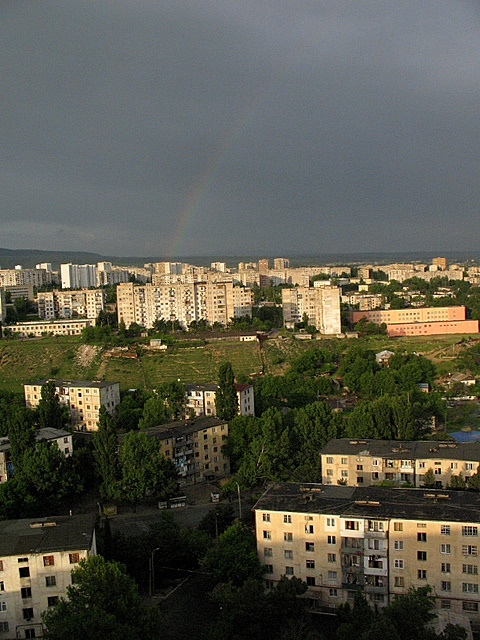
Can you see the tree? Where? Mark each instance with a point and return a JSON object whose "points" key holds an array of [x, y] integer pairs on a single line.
{"points": [[154, 413], [429, 479], [103, 603], [226, 401], [21, 434], [50, 412], [105, 454]]}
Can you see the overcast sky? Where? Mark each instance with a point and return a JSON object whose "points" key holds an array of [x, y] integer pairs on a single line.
{"points": [[234, 127]]}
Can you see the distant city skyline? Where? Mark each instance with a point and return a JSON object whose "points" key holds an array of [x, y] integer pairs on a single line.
{"points": [[237, 128]]}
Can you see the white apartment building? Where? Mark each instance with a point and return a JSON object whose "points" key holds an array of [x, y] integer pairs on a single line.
{"points": [[200, 398], [83, 399], [47, 327], [76, 276], [36, 560], [70, 303], [17, 276], [320, 304]]}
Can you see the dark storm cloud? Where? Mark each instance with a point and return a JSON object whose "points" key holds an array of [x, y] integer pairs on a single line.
{"points": [[230, 127]]}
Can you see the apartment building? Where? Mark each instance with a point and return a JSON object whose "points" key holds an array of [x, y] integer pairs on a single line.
{"points": [[320, 304], [381, 542], [195, 446], [70, 303], [36, 560], [419, 321], [25, 291], [63, 439], [365, 462], [200, 398], [83, 399], [40, 328], [3, 305], [76, 276], [20, 276], [185, 303]]}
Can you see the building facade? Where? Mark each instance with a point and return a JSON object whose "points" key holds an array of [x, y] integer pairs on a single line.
{"points": [[320, 304], [54, 327], [83, 399], [86, 303], [200, 398], [381, 542]]}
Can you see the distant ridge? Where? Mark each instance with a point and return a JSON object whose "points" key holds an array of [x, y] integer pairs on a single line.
{"points": [[28, 258]]}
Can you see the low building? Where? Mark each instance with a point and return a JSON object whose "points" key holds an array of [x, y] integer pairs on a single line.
{"points": [[82, 397], [36, 560], [200, 398], [195, 446], [356, 462], [53, 327], [376, 541]]}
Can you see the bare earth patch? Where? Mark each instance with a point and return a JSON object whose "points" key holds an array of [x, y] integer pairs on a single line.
{"points": [[85, 354]]}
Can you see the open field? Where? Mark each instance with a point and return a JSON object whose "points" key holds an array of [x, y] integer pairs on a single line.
{"points": [[67, 357]]}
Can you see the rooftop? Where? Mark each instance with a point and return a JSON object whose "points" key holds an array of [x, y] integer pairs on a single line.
{"points": [[99, 384], [399, 450], [181, 427]]}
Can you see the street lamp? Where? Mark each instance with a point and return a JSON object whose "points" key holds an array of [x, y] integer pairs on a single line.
{"points": [[152, 573]]}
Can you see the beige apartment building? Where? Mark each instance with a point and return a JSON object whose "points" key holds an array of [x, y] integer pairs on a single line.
{"points": [[86, 303], [19, 276], [381, 542], [36, 560], [195, 446], [54, 327], [320, 304], [185, 303], [83, 399], [355, 462], [200, 398]]}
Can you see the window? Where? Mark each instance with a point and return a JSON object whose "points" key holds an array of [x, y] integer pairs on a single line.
{"points": [[50, 581], [287, 536], [329, 460], [469, 531], [267, 535], [398, 545], [269, 568], [352, 525], [332, 557], [74, 558], [309, 528], [445, 585], [344, 473], [4, 626], [332, 575], [445, 548], [445, 567], [399, 581], [438, 471], [422, 574], [26, 592], [469, 550], [331, 522], [287, 519], [23, 560], [310, 581], [52, 601], [269, 584], [398, 564], [469, 587], [344, 460], [48, 561], [309, 546], [470, 606], [421, 525], [359, 480], [266, 517], [24, 572], [310, 564], [289, 571], [3, 606], [445, 604], [2, 586], [288, 553], [453, 465], [375, 544], [445, 529], [421, 536], [27, 613], [422, 556], [470, 568], [332, 593], [421, 465], [398, 526], [331, 539]]}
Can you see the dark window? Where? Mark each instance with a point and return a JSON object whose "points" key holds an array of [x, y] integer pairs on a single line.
{"points": [[26, 592], [48, 561], [50, 581], [74, 558], [52, 601], [311, 581], [27, 613], [24, 572], [422, 555]]}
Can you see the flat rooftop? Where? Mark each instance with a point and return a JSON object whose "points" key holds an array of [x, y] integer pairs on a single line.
{"points": [[400, 450]]}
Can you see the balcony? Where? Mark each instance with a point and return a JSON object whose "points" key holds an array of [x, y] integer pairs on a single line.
{"points": [[351, 545], [352, 580]]}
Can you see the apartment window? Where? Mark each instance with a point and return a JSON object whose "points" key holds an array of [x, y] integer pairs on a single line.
{"points": [[310, 581], [26, 592], [374, 463], [309, 546], [329, 460], [422, 556], [288, 536], [48, 561], [27, 613], [267, 535], [421, 536], [344, 473], [332, 593], [469, 587], [310, 564], [22, 560], [309, 529], [329, 472], [332, 557], [331, 539], [445, 529], [422, 574], [399, 581], [52, 601], [288, 553], [74, 558], [359, 480], [359, 467], [24, 572], [470, 606], [344, 460], [445, 604], [352, 525], [398, 545], [331, 522], [470, 568], [453, 465], [445, 548], [4, 626], [469, 531], [398, 526], [445, 567], [287, 519], [50, 581], [438, 471], [269, 584], [445, 585], [269, 568], [469, 550], [398, 564], [266, 517], [421, 525], [332, 575], [289, 571]]}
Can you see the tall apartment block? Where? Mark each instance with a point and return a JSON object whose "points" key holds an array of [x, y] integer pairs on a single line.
{"points": [[185, 303], [320, 304], [77, 276], [83, 399], [69, 304], [356, 462], [381, 542], [200, 398]]}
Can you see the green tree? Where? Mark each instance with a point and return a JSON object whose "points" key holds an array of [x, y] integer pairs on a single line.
{"points": [[103, 603], [154, 413], [226, 401], [429, 479], [50, 412], [105, 445], [21, 434]]}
